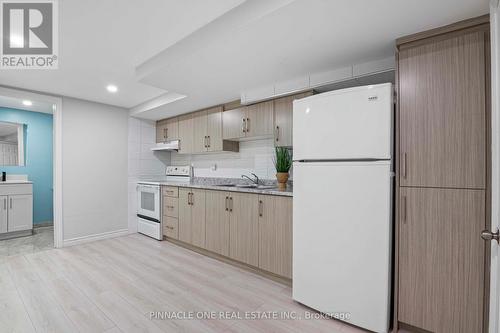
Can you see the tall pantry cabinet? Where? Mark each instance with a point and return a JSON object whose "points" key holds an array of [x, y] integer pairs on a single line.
{"points": [[442, 178]]}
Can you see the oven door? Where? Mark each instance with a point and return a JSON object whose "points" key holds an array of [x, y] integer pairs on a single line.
{"points": [[148, 205]]}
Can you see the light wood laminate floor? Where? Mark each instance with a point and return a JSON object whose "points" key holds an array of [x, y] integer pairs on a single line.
{"points": [[113, 285]]}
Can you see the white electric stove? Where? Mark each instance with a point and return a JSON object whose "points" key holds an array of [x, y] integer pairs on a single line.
{"points": [[149, 200]]}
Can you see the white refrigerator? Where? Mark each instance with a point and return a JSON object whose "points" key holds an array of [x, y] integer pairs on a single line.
{"points": [[342, 204]]}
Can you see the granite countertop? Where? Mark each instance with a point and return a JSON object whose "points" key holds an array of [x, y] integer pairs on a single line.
{"points": [[218, 185]]}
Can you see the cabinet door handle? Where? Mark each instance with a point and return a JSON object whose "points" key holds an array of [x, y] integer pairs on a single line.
{"points": [[170, 207], [231, 204], [192, 198], [227, 206], [247, 125], [261, 208], [244, 125], [277, 133], [189, 198], [403, 166], [10, 203], [404, 208], [208, 137]]}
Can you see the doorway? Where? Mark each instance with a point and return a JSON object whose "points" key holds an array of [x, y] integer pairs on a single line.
{"points": [[32, 165]]}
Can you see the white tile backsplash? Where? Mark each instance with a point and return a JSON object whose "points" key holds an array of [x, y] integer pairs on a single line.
{"points": [[142, 162], [254, 156]]}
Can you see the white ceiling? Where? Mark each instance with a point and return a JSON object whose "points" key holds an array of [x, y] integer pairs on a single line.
{"points": [[211, 50], [102, 41], [300, 37], [17, 103]]}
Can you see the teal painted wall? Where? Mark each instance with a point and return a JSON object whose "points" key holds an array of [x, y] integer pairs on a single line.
{"points": [[38, 158]]}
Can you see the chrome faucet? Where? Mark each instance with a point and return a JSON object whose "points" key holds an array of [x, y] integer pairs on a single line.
{"points": [[256, 181]]}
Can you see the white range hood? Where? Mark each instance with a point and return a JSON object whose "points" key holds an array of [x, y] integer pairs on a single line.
{"points": [[169, 145]]}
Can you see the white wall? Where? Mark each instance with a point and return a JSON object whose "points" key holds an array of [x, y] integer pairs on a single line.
{"points": [[254, 156], [94, 164], [142, 162]]}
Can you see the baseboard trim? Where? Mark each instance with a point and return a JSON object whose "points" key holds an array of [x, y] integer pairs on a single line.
{"points": [[43, 224], [93, 238], [16, 234]]}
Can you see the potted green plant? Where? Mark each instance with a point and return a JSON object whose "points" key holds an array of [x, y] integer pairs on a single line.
{"points": [[283, 163]]}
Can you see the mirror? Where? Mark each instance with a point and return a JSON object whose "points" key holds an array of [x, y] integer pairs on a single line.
{"points": [[11, 144]]}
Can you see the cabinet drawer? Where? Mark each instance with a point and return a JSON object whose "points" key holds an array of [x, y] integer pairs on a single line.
{"points": [[171, 207], [171, 191], [171, 227], [14, 189]]}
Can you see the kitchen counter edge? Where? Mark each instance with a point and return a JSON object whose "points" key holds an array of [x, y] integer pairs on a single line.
{"points": [[288, 192]]}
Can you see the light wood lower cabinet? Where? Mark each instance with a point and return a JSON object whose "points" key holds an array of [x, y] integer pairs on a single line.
{"points": [[171, 227], [250, 228], [275, 234], [441, 259], [244, 228], [217, 222], [192, 216]]}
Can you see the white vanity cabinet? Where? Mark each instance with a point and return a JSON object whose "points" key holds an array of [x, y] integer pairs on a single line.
{"points": [[16, 207]]}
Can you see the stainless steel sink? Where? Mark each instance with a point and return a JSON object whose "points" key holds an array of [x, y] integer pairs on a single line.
{"points": [[260, 187]]}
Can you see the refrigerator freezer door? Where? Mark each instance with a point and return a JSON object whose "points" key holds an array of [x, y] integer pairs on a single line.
{"points": [[354, 123], [342, 231]]}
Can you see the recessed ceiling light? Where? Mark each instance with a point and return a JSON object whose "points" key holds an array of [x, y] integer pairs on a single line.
{"points": [[27, 103], [112, 88]]}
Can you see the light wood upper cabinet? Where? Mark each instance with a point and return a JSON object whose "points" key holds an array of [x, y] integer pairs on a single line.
{"points": [[206, 132], [441, 259], [253, 121], [217, 222], [275, 234], [192, 216], [167, 129], [200, 141], [214, 129], [283, 119], [443, 113], [244, 228], [233, 124], [259, 122], [186, 134]]}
